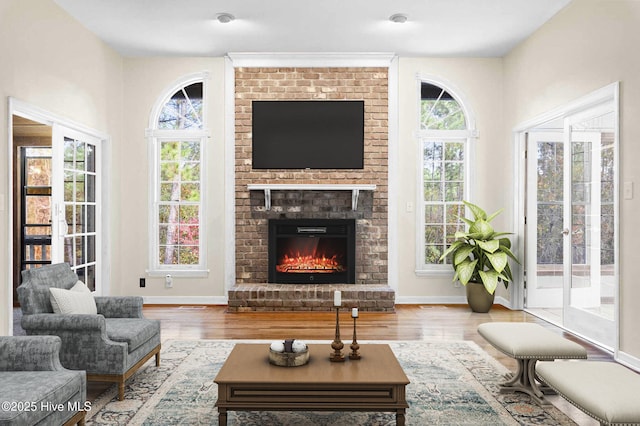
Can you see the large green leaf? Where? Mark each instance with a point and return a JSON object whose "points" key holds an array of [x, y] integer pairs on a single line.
{"points": [[460, 234], [482, 228], [489, 246], [462, 253], [453, 247], [509, 253], [498, 260], [478, 213], [490, 280], [490, 218], [507, 274], [467, 221], [503, 241], [465, 271]]}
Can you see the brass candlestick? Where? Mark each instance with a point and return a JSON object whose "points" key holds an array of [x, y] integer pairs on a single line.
{"points": [[354, 345], [337, 344]]}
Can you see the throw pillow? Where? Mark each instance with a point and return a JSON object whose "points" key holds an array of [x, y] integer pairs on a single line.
{"points": [[77, 300], [80, 287]]}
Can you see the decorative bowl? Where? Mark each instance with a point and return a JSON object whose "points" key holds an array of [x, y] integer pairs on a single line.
{"points": [[289, 359]]}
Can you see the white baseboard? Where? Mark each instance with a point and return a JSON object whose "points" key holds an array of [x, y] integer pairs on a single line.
{"points": [[185, 300], [628, 360], [442, 300], [430, 300]]}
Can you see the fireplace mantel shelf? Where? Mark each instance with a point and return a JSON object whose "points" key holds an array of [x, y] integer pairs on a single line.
{"points": [[267, 188]]}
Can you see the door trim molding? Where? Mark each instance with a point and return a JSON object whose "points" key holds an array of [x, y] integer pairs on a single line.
{"points": [[35, 113]]}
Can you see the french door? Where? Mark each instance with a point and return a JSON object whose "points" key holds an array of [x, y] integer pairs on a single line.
{"points": [[571, 257], [76, 203]]}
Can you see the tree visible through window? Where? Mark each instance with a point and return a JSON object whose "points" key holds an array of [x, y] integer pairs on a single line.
{"points": [[178, 206], [183, 110], [443, 139]]}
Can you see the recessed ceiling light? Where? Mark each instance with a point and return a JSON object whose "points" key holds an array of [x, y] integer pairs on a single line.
{"points": [[225, 18], [398, 18]]}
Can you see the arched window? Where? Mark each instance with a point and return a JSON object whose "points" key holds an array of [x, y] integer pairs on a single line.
{"points": [[445, 131], [177, 134]]}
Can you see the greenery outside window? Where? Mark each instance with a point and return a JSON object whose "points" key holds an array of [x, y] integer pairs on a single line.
{"points": [[178, 140], [444, 135]]}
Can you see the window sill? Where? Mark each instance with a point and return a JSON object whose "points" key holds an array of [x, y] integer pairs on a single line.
{"points": [[434, 272], [186, 273]]}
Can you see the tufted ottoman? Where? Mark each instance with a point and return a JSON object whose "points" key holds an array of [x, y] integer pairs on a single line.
{"points": [[606, 391], [528, 343]]}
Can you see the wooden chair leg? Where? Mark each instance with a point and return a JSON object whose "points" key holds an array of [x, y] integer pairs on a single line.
{"points": [[121, 390], [158, 359]]}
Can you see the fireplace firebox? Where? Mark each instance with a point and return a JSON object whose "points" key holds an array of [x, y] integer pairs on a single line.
{"points": [[303, 251]]}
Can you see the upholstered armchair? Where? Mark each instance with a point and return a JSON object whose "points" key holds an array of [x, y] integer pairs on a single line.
{"points": [[110, 338], [35, 388]]}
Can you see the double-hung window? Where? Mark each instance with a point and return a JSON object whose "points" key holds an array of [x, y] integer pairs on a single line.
{"points": [[178, 135], [444, 139]]}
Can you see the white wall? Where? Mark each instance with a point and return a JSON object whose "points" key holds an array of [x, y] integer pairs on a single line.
{"points": [[588, 45], [145, 79], [479, 81], [52, 62]]}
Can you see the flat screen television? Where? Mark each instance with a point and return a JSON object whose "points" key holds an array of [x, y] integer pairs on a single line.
{"points": [[308, 134]]}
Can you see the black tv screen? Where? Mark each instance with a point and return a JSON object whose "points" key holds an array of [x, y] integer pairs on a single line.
{"points": [[308, 134]]}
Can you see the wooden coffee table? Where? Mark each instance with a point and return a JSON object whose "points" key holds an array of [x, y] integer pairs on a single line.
{"points": [[247, 382]]}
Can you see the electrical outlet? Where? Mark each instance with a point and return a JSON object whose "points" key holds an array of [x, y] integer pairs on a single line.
{"points": [[168, 281], [143, 282]]}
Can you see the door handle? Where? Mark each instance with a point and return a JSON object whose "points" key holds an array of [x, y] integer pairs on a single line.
{"points": [[565, 232], [63, 226]]}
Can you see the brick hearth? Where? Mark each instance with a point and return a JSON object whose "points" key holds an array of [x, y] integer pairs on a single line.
{"points": [[309, 297]]}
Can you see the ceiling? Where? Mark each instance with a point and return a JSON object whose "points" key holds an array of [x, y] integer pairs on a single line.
{"points": [[441, 28]]}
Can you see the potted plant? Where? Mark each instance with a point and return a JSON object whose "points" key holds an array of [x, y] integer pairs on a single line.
{"points": [[480, 258]]}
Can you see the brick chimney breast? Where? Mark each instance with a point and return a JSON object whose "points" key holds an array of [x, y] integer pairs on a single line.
{"points": [[350, 83]]}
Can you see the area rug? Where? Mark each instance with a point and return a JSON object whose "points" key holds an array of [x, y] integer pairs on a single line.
{"points": [[452, 383]]}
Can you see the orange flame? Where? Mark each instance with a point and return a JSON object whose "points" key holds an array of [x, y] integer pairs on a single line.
{"points": [[308, 264]]}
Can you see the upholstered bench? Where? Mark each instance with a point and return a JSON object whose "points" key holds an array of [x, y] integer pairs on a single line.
{"points": [[606, 391], [528, 343]]}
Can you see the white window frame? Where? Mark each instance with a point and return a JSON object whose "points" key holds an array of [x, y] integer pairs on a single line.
{"points": [[469, 136], [154, 137]]}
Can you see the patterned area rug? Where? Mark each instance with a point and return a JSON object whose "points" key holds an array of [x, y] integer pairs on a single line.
{"points": [[452, 383]]}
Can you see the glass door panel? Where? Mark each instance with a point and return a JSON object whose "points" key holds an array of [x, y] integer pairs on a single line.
{"points": [[590, 296], [77, 203], [36, 207], [544, 227]]}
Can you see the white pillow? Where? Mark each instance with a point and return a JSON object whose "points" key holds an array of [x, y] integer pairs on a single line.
{"points": [[77, 300]]}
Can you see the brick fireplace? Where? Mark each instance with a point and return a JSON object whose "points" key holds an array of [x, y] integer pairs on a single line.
{"points": [[370, 290]]}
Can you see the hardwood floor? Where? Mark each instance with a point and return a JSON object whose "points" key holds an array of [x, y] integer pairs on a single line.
{"points": [[409, 322]]}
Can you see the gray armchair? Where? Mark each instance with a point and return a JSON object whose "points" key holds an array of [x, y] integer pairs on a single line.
{"points": [[36, 389], [110, 346]]}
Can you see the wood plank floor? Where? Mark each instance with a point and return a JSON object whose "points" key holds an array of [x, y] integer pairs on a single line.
{"points": [[409, 322]]}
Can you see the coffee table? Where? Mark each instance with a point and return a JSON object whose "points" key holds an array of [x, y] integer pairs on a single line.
{"points": [[247, 382]]}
